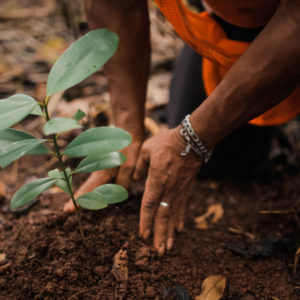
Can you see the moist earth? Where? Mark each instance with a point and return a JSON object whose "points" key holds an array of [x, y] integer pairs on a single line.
{"points": [[43, 256]]}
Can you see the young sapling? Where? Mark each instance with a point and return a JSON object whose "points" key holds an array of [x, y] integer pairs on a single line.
{"points": [[98, 146]]}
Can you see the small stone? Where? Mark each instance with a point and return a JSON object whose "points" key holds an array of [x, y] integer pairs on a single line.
{"points": [[150, 291], [2, 258]]}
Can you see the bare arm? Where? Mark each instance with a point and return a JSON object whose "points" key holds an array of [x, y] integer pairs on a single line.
{"points": [[127, 73], [263, 76], [128, 70]]}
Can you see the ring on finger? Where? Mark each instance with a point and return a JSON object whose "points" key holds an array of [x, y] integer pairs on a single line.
{"points": [[163, 204]]}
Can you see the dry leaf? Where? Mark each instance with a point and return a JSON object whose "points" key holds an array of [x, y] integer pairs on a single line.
{"points": [[212, 288], [215, 211]]}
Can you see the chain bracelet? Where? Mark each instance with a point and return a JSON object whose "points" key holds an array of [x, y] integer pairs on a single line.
{"points": [[193, 140]]}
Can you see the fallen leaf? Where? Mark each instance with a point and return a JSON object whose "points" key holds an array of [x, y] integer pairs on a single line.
{"points": [[214, 211], [212, 288]]}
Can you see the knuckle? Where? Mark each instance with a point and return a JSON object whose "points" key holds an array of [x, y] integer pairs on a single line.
{"points": [[163, 214], [149, 205]]}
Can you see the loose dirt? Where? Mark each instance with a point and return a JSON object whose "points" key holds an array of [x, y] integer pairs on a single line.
{"points": [[45, 258]]}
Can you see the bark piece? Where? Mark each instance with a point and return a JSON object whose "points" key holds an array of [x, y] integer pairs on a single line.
{"points": [[120, 271]]}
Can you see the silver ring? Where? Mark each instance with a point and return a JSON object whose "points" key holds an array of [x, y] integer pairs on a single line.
{"points": [[164, 204]]}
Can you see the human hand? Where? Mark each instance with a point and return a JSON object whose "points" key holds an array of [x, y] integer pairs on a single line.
{"points": [[169, 178], [122, 175]]}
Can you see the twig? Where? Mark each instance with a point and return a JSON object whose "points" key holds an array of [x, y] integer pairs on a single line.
{"points": [[287, 211], [242, 232]]}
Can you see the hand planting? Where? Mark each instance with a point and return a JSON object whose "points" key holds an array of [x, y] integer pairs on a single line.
{"points": [[98, 146]]}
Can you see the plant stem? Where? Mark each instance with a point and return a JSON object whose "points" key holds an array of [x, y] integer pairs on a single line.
{"points": [[67, 178]]}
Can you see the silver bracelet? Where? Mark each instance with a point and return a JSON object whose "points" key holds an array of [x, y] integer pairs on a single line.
{"points": [[193, 140]]}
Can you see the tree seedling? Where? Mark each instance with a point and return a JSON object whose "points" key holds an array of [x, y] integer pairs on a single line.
{"points": [[98, 146]]}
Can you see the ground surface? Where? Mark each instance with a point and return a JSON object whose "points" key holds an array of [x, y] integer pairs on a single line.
{"points": [[41, 254], [45, 258]]}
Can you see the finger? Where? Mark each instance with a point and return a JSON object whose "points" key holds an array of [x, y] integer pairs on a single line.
{"points": [[171, 226], [142, 165], [161, 222], [153, 191], [124, 177], [93, 181]]}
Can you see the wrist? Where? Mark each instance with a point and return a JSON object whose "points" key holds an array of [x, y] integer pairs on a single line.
{"points": [[193, 141], [181, 146]]}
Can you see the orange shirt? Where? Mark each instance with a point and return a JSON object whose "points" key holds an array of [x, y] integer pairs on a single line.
{"points": [[207, 37]]}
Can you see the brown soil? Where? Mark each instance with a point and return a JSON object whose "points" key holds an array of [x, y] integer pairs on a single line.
{"points": [[41, 254], [45, 258]]}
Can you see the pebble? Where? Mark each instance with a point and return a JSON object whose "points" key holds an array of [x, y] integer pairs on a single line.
{"points": [[2, 258], [150, 291]]}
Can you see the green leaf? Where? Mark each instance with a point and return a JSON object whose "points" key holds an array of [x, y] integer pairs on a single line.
{"points": [[98, 141], [79, 115], [9, 135], [15, 109], [84, 57], [92, 200], [56, 125], [17, 149], [61, 183], [100, 162], [21, 98], [113, 193], [30, 191]]}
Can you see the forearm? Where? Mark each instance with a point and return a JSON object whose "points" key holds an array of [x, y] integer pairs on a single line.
{"points": [[262, 77], [128, 70]]}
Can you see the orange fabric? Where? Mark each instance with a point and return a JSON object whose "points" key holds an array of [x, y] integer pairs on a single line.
{"points": [[206, 36]]}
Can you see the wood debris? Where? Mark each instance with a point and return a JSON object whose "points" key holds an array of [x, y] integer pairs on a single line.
{"points": [[120, 271]]}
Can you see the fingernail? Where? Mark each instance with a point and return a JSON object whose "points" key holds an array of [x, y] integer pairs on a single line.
{"points": [[146, 234], [161, 249], [170, 243], [180, 226]]}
